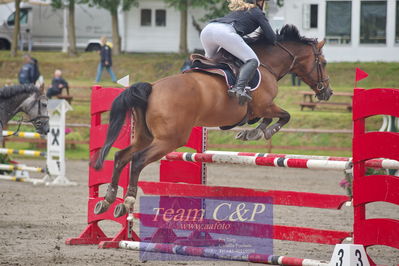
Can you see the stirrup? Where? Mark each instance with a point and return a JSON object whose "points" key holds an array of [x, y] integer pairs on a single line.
{"points": [[244, 97], [233, 91]]}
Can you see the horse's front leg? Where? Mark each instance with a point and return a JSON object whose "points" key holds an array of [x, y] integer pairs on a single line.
{"points": [[276, 112], [256, 133], [262, 129]]}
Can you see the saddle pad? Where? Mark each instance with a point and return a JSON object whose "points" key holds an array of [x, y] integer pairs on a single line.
{"points": [[224, 71]]}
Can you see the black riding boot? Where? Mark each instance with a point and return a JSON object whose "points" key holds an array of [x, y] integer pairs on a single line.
{"points": [[247, 71]]}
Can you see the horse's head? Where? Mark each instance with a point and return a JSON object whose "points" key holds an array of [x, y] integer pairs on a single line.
{"points": [[311, 68], [35, 106]]}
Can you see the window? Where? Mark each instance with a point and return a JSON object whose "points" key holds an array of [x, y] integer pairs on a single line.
{"points": [[373, 21], [160, 17], [310, 16], [146, 17], [338, 22], [397, 22], [23, 17], [313, 16]]}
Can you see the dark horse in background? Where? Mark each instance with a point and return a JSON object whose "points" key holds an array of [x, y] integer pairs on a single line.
{"points": [[27, 99], [167, 110]]}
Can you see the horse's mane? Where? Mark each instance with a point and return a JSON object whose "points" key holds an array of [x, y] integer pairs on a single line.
{"points": [[10, 91], [289, 33]]}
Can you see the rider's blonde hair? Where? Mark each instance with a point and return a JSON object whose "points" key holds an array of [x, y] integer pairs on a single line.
{"points": [[236, 5]]}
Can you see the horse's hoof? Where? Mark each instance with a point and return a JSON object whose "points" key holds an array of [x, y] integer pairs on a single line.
{"points": [[242, 135], [101, 207], [254, 134], [269, 132], [120, 210]]}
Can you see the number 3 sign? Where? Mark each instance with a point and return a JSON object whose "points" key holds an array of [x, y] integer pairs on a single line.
{"points": [[349, 255]]}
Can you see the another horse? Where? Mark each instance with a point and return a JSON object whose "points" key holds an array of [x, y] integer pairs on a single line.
{"points": [[167, 110], [27, 99]]}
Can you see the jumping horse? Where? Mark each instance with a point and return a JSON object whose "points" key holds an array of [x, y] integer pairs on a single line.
{"points": [[28, 99], [167, 110]]}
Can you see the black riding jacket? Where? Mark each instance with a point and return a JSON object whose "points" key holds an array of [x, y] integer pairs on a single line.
{"points": [[247, 21]]}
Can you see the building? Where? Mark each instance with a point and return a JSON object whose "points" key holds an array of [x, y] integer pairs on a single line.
{"points": [[155, 27], [358, 30]]}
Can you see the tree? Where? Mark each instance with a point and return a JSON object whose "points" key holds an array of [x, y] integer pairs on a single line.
{"points": [[182, 6], [112, 6], [72, 51], [14, 45]]}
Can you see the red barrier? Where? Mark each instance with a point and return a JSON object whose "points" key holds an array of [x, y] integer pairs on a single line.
{"points": [[193, 174], [373, 188]]}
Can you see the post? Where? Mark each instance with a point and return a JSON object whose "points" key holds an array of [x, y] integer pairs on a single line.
{"points": [[56, 142]]}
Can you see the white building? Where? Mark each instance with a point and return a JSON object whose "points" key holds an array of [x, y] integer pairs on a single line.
{"points": [[358, 30], [155, 27]]}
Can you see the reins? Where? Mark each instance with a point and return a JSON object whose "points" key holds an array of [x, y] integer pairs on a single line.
{"points": [[270, 69]]}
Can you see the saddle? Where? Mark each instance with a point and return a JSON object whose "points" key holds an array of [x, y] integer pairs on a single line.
{"points": [[227, 66], [223, 64], [221, 60]]}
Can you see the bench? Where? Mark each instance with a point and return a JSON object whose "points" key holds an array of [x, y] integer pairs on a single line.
{"points": [[308, 101], [65, 97]]}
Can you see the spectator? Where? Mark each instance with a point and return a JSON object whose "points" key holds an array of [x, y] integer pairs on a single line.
{"points": [[29, 72], [25, 38], [105, 60], [57, 85]]}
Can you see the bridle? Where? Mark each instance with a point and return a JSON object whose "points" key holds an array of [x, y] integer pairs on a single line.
{"points": [[36, 120], [317, 85]]}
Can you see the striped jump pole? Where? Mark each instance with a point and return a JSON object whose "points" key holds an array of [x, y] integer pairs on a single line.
{"points": [[23, 152], [289, 156], [286, 160], [261, 161], [28, 135], [374, 163], [10, 167], [22, 179], [217, 253]]}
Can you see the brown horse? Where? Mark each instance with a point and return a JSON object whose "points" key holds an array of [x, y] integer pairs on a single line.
{"points": [[167, 110]]}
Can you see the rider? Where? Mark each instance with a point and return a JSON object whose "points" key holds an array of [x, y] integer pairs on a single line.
{"points": [[227, 32]]}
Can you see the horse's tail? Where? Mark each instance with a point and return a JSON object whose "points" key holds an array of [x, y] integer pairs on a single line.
{"points": [[134, 97]]}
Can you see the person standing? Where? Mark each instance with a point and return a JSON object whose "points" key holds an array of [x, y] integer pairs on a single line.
{"points": [[29, 72], [105, 60]]}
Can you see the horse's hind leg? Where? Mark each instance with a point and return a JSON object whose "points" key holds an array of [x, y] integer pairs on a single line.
{"points": [[140, 159], [121, 158]]}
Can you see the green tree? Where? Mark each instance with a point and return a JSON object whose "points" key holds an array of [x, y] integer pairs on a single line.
{"points": [[183, 6], [112, 6], [70, 4], [17, 26]]}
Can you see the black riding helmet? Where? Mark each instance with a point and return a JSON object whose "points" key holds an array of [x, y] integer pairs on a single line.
{"points": [[255, 2]]}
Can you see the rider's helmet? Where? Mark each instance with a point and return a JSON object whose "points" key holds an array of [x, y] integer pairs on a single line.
{"points": [[255, 2]]}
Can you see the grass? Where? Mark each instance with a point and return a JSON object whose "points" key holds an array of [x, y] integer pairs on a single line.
{"points": [[80, 73]]}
